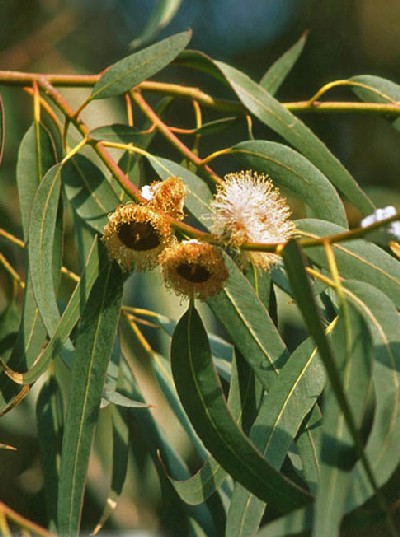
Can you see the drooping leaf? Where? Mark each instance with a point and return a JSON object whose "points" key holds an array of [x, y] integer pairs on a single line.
{"points": [[67, 322], [279, 70], [295, 266], [211, 476], [93, 348], [202, 397], [28, 344], [382, 91], [90, 194], [130, 71], [268, 110], [160, 17], [294, 172]]}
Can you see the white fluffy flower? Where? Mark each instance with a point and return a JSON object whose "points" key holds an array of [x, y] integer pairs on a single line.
{"points": [[249, 208]]}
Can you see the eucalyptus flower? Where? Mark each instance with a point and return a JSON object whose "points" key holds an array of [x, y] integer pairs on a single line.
{"points": [[135, 235], [194, 269], [249, 208]]}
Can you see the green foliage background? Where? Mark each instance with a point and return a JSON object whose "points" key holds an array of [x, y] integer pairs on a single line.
{"points": [[213, 419]]}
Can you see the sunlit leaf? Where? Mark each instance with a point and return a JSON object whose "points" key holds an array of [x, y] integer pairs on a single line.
{"points": [[130, 71]]}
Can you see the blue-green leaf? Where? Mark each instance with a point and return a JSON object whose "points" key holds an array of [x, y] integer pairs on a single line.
{"points": [[93, 349], [279, 70], [130, 71]]}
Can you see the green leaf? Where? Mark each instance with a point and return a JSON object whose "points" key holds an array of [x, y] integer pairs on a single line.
{"points": [[160, 17], [90, 194], [41, 239], [131, 70], [66, 324], [382, 447], [211, 475], [279, 70], [249, 325], [308, 445], [49, 411], [202, 397], [217, 126], [268, 110], [144, 424], [294, 172], [121, 401], [36, 156], [120, 454], [117, 132], [295, 266], [353, 346], [356, 259], [199, 197], [290, 399], [93, 349]]}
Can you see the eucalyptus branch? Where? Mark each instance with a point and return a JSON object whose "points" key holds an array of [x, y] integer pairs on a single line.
{"points": [[312, 105], [103, 154], [171, 137]]}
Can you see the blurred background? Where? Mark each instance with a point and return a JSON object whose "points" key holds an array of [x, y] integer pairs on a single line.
{"points": [[346, 37]]}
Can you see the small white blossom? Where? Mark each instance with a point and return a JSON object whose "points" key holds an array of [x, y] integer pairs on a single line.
{"points": [[147, 192], [392, 230], [249, 208]]}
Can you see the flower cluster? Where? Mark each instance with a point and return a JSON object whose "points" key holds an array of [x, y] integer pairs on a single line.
{"points": [[247, 209]]}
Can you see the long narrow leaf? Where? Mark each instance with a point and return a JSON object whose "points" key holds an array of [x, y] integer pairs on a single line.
{"points": [[93, 348], [203, 400], [130, 71], [279, 70]]}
